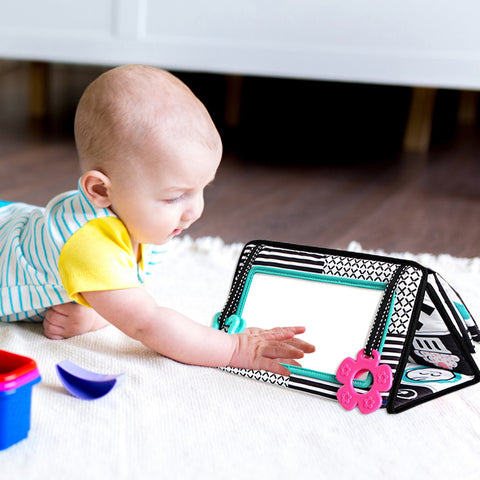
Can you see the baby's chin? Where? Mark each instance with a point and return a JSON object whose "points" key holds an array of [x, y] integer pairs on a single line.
{"points": [[164, 240], [159, 242]]}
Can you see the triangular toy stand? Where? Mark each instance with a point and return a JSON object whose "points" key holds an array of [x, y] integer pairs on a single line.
{"points": [[389, 333]]}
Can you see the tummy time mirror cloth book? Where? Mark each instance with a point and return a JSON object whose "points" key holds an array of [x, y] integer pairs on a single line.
{"points": [[389, 333]]}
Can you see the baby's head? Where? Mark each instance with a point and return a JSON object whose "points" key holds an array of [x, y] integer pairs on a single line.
{"points": [[143, 138], [128, 108]]}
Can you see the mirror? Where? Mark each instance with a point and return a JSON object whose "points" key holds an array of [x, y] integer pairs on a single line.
{"points": [[337, 313]]}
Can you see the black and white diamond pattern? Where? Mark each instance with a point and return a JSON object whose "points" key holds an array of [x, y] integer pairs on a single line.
{"points": [[405, 295], [262, 375], [359, 269]]}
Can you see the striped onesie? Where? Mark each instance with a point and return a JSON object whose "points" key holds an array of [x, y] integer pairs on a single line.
{"points": [[48, 256]]}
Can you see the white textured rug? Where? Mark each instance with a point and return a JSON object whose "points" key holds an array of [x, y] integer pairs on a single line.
{"points": [[173, 421]]}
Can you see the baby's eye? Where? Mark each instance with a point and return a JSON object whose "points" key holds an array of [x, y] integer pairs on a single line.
{"points": [[175, 199]]}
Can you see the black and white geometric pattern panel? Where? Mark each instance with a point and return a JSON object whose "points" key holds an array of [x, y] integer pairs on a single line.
{"points": [[405, 296], [245, 253], [296, 382], [244, 265], [261, 375], [314, 386], [392, 350], [359, 269], [291, 259], [279, 257]]}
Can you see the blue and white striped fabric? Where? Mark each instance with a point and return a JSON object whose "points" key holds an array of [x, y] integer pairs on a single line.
{"points": [[31, 239]]}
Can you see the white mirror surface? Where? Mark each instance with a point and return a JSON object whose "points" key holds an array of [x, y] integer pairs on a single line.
{"points": [[337, 317]]}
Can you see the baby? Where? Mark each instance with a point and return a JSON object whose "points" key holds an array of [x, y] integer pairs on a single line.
{"points": [[147, 149]]}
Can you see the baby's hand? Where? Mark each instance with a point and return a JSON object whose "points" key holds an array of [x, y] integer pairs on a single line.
{"points": [[69, 319], [259, 349]]}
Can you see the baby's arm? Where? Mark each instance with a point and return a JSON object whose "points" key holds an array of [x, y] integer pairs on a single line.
{"points": [[173, 335]]}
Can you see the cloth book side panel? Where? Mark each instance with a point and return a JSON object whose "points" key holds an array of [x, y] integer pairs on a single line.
{"points": [[456, 307], [439, 360], [337, 264]]}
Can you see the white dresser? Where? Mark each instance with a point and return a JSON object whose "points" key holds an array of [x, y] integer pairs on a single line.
{"points": [[421, 43]]}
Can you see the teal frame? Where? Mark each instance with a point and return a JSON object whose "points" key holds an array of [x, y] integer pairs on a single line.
{"points": [[351, 282]]}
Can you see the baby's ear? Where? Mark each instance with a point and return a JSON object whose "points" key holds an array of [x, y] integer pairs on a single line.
{"points": [[96, 186]]}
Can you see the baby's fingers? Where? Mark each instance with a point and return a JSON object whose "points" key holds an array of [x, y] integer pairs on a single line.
{"points": [[280, 365], [301, 345], [285, 332], [275, 350], [286, 335], [265, 349], [288, 361], [274, 367], [280, 334]]}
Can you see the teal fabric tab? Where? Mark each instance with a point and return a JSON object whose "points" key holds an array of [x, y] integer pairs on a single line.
{"points": [[215, 323], [234, 323], [463, 311], [4, 203]]}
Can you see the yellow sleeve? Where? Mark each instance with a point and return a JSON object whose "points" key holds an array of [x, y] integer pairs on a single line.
{"points": [[99, 256]]}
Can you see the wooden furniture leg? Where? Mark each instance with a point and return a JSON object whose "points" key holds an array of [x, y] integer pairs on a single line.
{"points": [[467, 108], [38, 85], [419, 124], [233, 100]]}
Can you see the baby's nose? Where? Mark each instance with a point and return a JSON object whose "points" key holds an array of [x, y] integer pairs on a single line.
{"points": [[194, 211]]}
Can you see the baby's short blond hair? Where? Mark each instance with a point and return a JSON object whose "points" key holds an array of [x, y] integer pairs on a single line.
{"points": [[128, 105]]}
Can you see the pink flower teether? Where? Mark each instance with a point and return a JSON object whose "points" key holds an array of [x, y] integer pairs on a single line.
{"points": [[370, 401]]}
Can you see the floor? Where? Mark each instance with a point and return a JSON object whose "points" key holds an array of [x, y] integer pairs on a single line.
{"points": [[307, 162]]}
